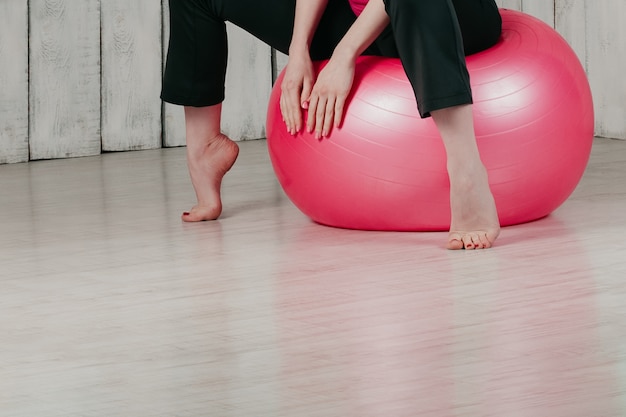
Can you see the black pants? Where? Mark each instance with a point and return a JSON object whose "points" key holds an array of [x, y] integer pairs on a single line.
{"points": [[431, 37]]}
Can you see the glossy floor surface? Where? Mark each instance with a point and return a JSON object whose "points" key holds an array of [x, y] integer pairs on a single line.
{"points": [[111, 306]]}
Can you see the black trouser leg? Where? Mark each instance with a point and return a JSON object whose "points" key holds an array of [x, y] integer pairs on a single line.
{"points": [[431, 38], [430, 44], [196, 61]]}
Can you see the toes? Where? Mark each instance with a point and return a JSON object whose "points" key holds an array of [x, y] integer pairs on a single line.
{"points": [[455, 241], [469, 241], [484, 241], [455, 244], [201, 214], [189, 217]]}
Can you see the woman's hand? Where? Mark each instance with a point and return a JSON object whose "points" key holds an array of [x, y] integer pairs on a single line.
{"points": [[334, 82], [299, 74], [295, 90], [328, 97]]}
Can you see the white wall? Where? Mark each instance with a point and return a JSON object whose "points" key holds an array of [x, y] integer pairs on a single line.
{"points": [[80, 77], [64, 89], [131, 68], [13, 81], [595, 30]]}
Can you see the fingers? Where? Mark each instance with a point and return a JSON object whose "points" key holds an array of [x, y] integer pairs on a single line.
{"points": [[305, 96], [294, 90], [339, 106], [292, 101], [320, 116], [311, 115], [325, 118], [324, 114], [324, 98], [291, 112], [285, 113]]}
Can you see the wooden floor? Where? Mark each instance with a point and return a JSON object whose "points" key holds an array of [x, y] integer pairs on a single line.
{"points": [[111, 306]]}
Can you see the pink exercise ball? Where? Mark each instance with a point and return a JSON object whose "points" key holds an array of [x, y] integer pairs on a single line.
{"points": [[385, 168]]}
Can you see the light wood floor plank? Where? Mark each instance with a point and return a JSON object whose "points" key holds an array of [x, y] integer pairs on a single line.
{"points": [[111, 306]]}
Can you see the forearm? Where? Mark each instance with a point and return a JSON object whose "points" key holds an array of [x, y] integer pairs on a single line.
{"points": [[308, 15], [364, 31]]}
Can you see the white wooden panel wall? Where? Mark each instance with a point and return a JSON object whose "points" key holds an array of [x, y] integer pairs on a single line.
{"points": [[248, 85], [64, 78], [13, 81], [280, 62], [595, 30], [571, 21], [543, 9], [95, 78], [131, 74], [606, 65], [88, 93], [173, 116]]}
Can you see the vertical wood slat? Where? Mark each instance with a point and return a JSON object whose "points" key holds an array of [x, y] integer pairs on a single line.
{"points": [[131, 74], [248, 86], [280, 62], [606, 40], [571, 22], [173, 116], [510, 4], [542, 9], [64, 78], [13, 81]]}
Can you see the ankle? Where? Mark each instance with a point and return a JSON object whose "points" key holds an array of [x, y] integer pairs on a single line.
{"points": [[467, 170], [200, 148]]}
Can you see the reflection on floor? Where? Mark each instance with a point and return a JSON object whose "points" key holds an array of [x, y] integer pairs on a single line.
{"points": [[111, 306]]}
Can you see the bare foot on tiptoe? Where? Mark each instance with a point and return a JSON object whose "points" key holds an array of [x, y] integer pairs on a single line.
{"points": [[475, 223], [207, 167]]}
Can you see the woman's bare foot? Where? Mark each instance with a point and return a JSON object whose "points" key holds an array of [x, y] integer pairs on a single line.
{"points": [[208, 163], [475, 223]]}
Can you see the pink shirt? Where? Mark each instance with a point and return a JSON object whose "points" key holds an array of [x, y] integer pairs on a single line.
{"points": [[358, 6]]}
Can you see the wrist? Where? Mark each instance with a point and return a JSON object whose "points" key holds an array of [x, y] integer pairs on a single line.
{"points": [[298, 48], [345, 53]]}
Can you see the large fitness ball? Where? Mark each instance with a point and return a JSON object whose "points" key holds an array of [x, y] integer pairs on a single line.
{"points": [[385, 168]]}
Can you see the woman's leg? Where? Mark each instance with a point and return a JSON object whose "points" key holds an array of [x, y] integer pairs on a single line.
{"points": [[210, 154], [432, 50], [196, 70], [194, 77], [475, 223]]}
